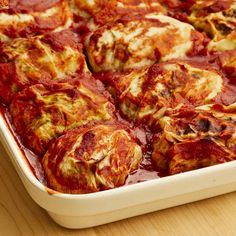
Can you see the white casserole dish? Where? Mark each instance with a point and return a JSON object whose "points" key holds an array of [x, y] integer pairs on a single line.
{"points": [[81, 211]]}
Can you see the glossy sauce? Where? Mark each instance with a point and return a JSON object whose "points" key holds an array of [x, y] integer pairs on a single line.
{"points": [[145, 172], [27, 6], [32, 160], [37, 21]]}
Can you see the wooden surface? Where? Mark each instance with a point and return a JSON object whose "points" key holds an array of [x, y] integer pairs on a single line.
{"points": [[19, 215]]}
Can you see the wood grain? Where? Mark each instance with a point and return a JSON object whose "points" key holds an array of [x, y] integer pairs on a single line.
{"points": [[19, 215]]}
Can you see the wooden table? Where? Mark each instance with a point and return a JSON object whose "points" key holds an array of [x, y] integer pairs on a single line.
{"points": [[19, 215]]}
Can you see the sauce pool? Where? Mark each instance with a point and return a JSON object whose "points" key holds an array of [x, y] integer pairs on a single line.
{"points": [[145, 172]]}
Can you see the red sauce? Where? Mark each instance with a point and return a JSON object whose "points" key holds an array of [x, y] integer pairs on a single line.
{"points": [[219, 5], [145, 172], [83, 32], [228, 96], [136, 16], [107, 13], [39, 24], [110, 14], [59, 40], [43, 25], [200, 42], [27, 6], [31, 159], [216, 6], [87, 145], [7, 70], [200, 149], [142, 135]]}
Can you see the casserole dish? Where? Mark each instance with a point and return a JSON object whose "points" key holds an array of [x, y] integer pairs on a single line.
{"points": [[87, 210], [98, 101]]}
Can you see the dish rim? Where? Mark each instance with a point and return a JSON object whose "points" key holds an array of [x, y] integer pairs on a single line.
{"points": [[8, 139]]}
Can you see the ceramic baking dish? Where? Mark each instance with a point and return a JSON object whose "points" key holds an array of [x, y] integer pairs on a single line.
{"points": [[87, 210]]}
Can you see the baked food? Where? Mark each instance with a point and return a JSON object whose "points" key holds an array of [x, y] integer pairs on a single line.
{"points": [[42, 112], [108, 93], [95, 157], [194, 139], [23, 18], [147, 94], [27, 61], [218, 21], [136, 41]]}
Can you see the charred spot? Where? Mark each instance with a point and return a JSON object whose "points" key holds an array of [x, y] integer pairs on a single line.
{"points": [[224, 29], [223, 127], [195, 76], [230, 13], [204, 125], [165, 93], [188, 130], [4, 58]]}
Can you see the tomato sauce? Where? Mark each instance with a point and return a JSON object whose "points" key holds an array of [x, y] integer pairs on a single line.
{"points": [[31, 159], [38, 22], [143, 136], [145, 172], [27, 6], [60, 41]]}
